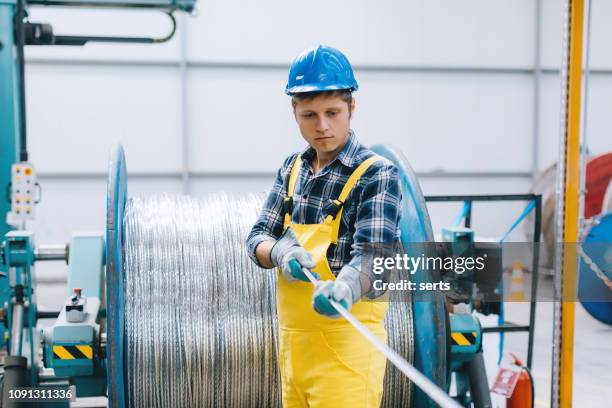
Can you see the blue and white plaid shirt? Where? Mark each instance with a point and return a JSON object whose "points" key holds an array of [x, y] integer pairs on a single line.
{"points": [[371, 211]]}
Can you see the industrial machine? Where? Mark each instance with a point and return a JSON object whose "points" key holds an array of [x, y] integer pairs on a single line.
{"points": [[481, 291], [85, 347], [73, 349]]}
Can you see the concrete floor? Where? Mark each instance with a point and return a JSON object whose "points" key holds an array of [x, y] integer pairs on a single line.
{"points": [[592, 355]]}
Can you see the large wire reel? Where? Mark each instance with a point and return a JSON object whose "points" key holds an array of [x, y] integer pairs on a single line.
{"points": [[429, 351]]}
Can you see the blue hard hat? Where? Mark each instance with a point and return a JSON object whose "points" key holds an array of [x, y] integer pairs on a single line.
{"points": [[320, 68]]}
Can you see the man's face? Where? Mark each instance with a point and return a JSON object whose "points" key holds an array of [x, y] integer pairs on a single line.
{"points": [[324, 122]]}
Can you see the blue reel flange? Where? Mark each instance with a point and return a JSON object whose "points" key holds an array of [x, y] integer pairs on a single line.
{"points": [[430, 327], [116, 197], [594, 295]]}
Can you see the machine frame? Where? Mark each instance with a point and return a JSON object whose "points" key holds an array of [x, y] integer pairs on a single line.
{"points": [[508, 327]]}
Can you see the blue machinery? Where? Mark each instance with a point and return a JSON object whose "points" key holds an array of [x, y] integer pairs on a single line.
{"points": [[73, 350]]}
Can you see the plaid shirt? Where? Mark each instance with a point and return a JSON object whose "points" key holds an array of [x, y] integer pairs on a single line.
{"points": [[370, 213]]}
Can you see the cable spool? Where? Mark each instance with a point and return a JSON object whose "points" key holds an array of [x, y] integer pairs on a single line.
{"points": [[201, 325], [192, 320]]}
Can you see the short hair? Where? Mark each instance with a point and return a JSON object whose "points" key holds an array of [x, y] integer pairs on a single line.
{"points": [[345, 94]]}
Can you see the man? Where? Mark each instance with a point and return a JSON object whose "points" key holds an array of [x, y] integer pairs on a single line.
{"points": [[326, 204]]}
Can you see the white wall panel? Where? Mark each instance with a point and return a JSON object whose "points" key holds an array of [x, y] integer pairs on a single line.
{"points": [[450, 122], [550, 110], [441, 32], [242, 121], [601, 31], [599, 125], [69, 206], [101, 22], [552, 32], [76, 114]]}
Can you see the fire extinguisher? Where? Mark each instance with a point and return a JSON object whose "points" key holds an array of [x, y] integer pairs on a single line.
{"points": [[523, 394]]}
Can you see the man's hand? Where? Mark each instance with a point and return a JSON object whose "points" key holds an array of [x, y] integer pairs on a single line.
{"points": [[286, 249], [346, 290]]}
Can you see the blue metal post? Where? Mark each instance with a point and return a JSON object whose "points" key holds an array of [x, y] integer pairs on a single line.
{"points": [[9, 103], [9, 123]]}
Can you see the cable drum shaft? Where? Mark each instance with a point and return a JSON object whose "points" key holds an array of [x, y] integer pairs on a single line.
{"points": [[201, 323]]}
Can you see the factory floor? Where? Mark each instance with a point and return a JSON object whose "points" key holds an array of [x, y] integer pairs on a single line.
{"points": [[592, 354]]}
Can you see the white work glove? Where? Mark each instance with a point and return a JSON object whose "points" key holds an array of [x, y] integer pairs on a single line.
{"points": [[286, 249], [346, 290]]}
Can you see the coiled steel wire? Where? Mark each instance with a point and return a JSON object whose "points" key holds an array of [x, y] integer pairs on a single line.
{"points": [[201, 323]]}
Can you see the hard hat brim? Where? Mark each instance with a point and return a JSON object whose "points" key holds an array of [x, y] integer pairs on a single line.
{"points": [[319, 88]]}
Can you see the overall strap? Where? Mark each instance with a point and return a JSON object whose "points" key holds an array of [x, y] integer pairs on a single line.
{"points": [[348, 187], [288, 201]]}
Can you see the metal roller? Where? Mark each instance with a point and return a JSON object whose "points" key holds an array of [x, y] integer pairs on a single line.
{"points": [[185, 329]]}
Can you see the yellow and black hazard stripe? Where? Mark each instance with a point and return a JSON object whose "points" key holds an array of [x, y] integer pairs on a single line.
{"points": [[463, 338], [80, 351]]}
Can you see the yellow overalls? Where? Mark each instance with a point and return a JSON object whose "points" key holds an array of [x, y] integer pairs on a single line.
{"points": [[325, 362]]}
